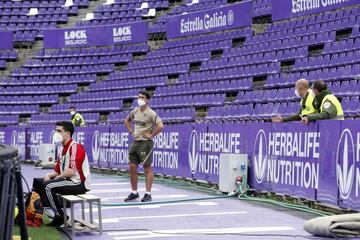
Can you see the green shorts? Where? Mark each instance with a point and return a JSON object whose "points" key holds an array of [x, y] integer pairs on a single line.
{"points": [[141, 151]]}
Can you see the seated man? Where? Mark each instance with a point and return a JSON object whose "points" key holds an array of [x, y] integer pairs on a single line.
{"points": [[71, 174]]}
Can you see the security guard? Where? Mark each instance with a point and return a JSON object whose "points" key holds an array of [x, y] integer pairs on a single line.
{"points": [[327, 104], [302, 90], [76, 118]]}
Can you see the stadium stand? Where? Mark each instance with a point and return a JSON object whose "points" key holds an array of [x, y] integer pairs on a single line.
{"points": [[6, 56], [186, 7], [121, 12], [205, 84], [237, 75], [16, 16]]}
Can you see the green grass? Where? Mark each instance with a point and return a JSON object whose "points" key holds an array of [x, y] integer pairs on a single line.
{"points": [[42, 233]]}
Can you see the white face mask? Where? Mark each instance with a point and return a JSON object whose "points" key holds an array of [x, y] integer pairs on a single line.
{"points": [[312, 93], [297, 93], [58, 138], [72, 112], [141, 102]]}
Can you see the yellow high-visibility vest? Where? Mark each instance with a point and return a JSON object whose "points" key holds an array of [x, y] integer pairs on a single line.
{"points": [[339, 111], [309, 108], [77, 124]]}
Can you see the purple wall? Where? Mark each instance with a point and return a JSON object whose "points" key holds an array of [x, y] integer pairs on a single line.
{"points": [[319, 161], [6, 39], [96, 36]]}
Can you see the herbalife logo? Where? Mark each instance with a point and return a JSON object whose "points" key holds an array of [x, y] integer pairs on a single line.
{"points": [[345, 163], [193, 151], [96, 146], [260, 156], [15, 141]]}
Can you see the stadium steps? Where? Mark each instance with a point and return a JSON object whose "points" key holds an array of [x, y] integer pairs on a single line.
{"points": [[155, 44], [230, 97], [93, 4], [156, 40], [23, 54], [103, 117], [259, 28], [100, 78]]}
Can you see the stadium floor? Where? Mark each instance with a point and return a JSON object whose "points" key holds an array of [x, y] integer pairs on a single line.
{"points": [[226, 218]]}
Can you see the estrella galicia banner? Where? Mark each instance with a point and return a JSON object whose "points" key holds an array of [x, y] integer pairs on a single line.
{"points": [[282, 9], [294, 159], [347, 160], [97, 140], [37, 136], [135, 32], [212, 20], [6, 39], [330, 140], [256, 143], [170, 151]]}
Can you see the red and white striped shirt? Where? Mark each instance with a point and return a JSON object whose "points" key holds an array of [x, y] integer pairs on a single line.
{"points": [[73, 156]]}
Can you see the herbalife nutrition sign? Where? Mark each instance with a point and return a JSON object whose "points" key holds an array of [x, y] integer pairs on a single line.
{"points": [[206, 144], [319, 161], [341, 174], [222, 18], [287, 160]]}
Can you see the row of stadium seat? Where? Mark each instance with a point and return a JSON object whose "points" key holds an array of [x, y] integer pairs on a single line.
{"points": [[83, 52], [322, 17], [48, 80], [66, 61]]}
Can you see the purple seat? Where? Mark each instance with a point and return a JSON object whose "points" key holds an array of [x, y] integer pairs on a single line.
{"points": [[353, 106], [335, 87], [344, 88]]}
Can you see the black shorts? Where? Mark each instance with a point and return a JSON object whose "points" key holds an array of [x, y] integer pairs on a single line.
{"points": [[141, 152]]}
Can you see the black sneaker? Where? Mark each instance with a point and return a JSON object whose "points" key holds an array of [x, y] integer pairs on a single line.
{"points": [[146, 198], [132, 196]]}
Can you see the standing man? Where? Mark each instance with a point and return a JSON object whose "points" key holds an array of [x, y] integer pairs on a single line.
{"points": [[328, 105], [71, 174], [302, 90], [147, 124], [76, 118]]}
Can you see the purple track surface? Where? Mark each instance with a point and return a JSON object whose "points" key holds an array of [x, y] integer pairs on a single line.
{"points": [[227, 218]]}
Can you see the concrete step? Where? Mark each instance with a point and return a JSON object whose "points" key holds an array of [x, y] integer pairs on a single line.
{"points": [[72, 20]]}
